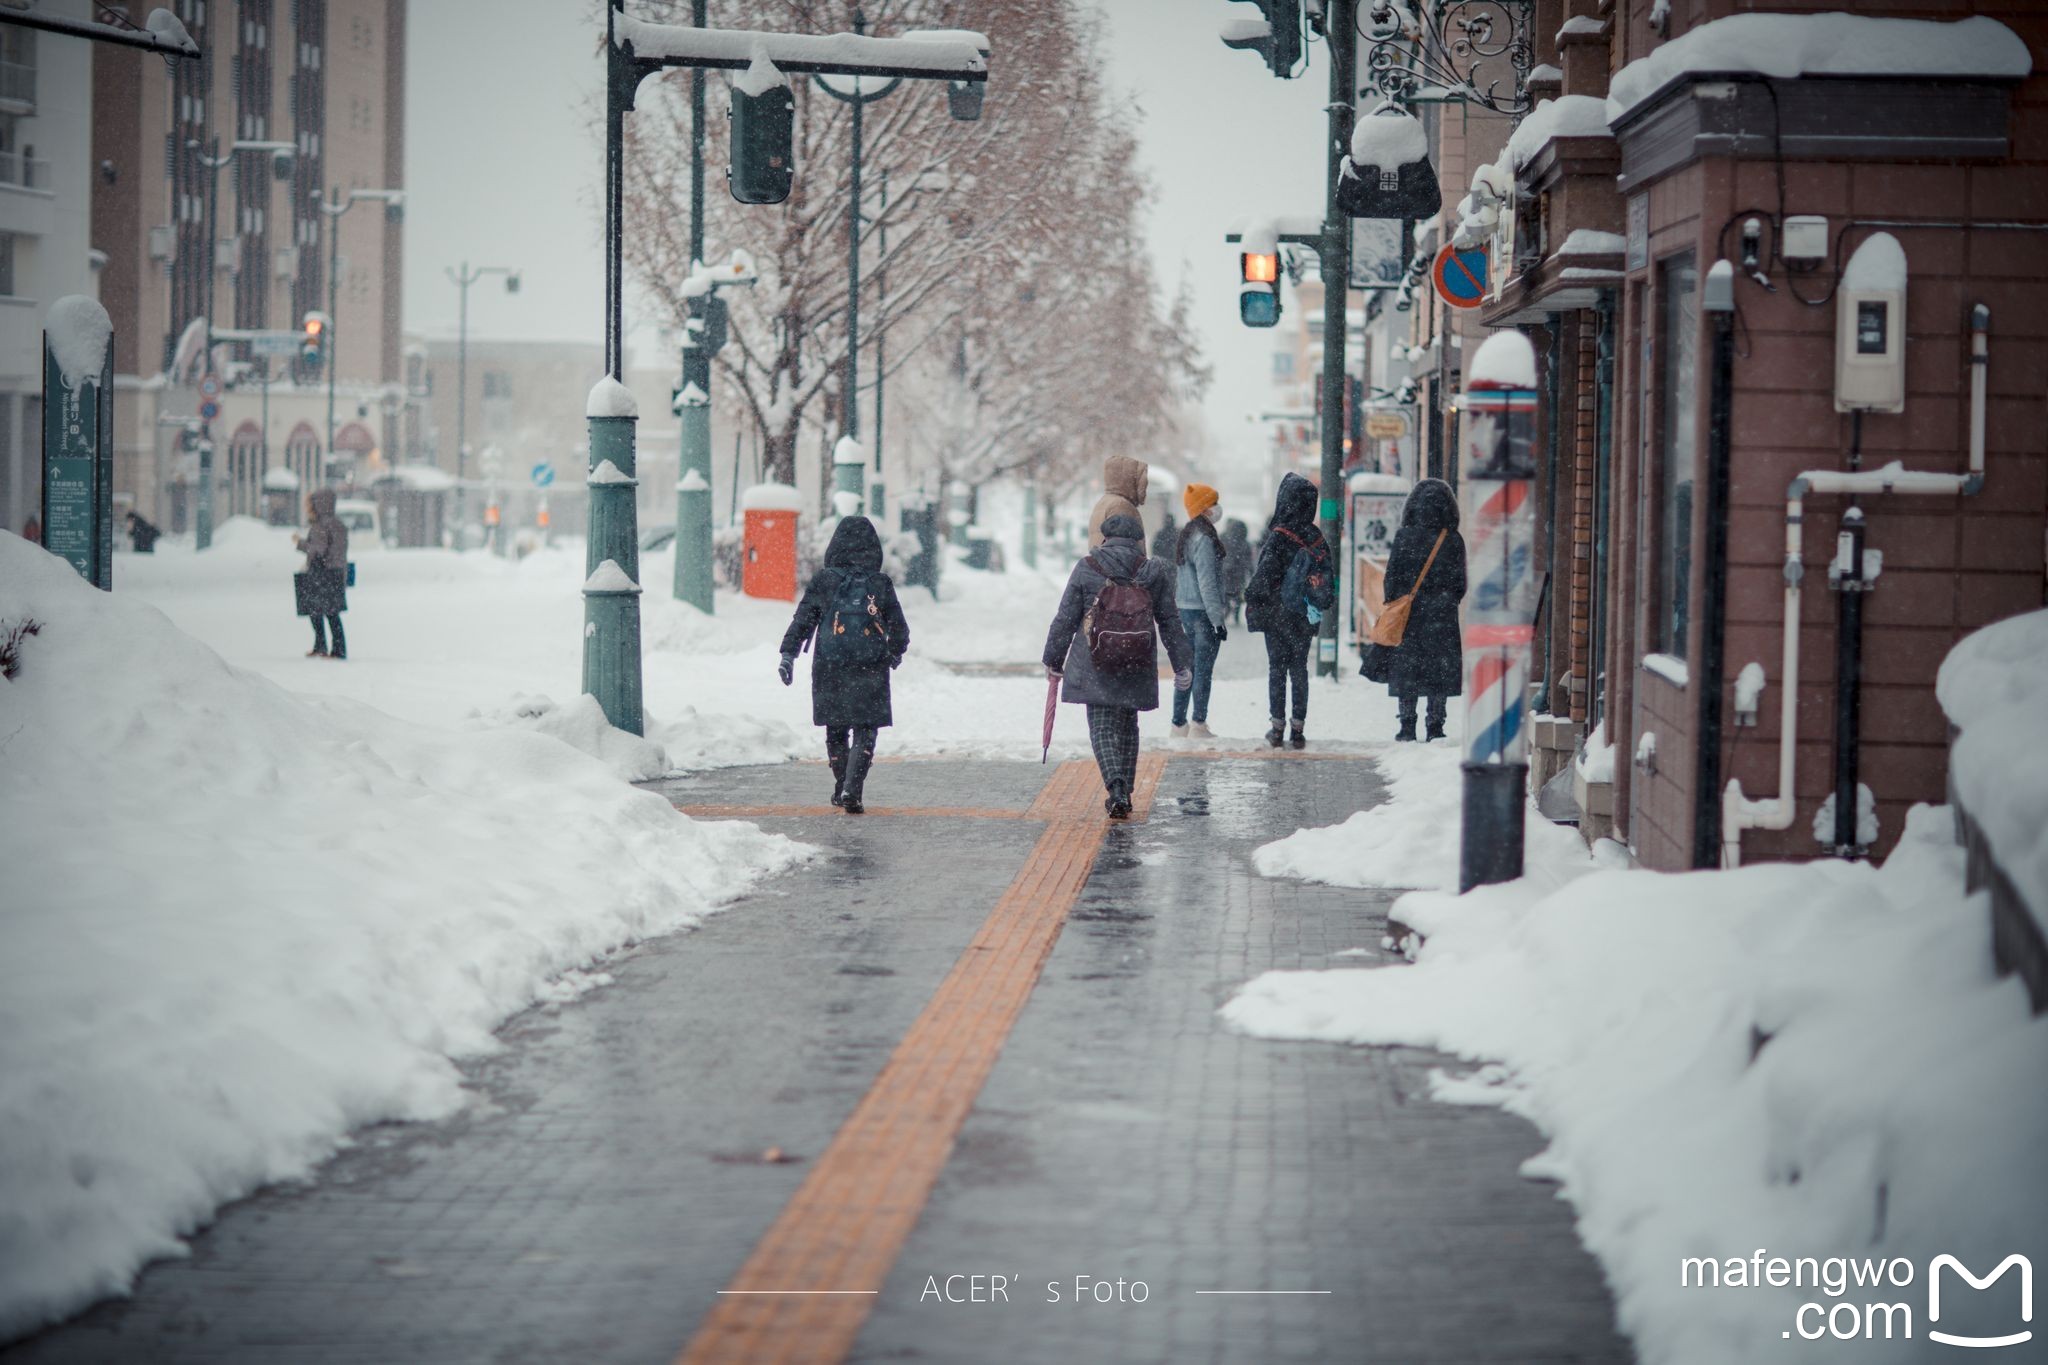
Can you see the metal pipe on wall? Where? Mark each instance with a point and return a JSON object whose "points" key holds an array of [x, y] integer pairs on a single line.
{"points": [[1719, 303]]}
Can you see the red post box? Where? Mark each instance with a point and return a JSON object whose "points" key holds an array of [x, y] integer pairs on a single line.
{"points": [[769, 549]]}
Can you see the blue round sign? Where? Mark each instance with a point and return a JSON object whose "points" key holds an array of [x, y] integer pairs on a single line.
{"points": [[1460, 276], [543, 474]]}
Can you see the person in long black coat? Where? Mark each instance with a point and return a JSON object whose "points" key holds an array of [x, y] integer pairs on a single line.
{"points": [[1288, 631], [1115, 699], [1430, 660], [850, 699], [1237, 564]]}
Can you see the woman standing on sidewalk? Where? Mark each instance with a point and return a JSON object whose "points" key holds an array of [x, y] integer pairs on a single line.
{"points": [[851, 609], [1293, 583], [1430, 660], [1204, 610], [1103, 644]]}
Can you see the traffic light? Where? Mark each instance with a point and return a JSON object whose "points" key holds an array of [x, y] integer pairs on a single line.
{"points": [[1258, 294], [762, 162], [1277, 37], [312, 350]]}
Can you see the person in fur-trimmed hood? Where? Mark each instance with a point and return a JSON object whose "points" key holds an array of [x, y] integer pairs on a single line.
{"points": [[1124, 481], [1430, 660]]}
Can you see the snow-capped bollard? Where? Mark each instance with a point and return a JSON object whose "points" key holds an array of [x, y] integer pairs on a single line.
{"points": [[1497, 478], [611, 589]]}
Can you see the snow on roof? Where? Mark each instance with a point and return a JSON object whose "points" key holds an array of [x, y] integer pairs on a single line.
{"points": [[1367, 481], [737, 48], [1566, 116], [424, 478], [1244, 30], [1879, 264], [1260, 238], [609, 577], [1387, 138], [610, 398], [79, 330], [1545, 72], [771, 497], [1789, 45], [761, 76], [848, 451], [609, 473], [1589, 242], [1505, 360], [1584, 23]]}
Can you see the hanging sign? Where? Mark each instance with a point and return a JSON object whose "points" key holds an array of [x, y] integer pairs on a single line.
{"points": [[1460, 276]]}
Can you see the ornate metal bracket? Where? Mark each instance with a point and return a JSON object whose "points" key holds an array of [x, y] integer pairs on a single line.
{"points": [[1418, 51]]}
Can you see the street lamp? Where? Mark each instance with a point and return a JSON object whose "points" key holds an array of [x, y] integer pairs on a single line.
{"points": [[394, 208], [463, 279]]}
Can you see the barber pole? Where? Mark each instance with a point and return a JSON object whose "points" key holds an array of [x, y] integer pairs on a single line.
{"points": [[1496, 480]]}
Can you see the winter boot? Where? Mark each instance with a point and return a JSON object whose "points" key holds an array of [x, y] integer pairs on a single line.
{"points": [[1296, 739], [838, 762], [1178, 731], [1118, 804], [1435, 731], [1406, 734], [857, 764], [1201, 731], [1277, 735]]}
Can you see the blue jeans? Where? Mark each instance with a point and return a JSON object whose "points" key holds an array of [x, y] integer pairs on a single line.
{"points": [[1202, 635]]}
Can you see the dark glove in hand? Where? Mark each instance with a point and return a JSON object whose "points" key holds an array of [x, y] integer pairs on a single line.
{"points": [[1222, 634], [787, 669]]}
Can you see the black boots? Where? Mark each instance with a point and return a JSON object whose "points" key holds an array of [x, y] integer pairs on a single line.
{"points": [[838, 762], [857, 764], [1295, 738], [1435, 731], [1277, 734], [1118, 804], [1406, 734]]}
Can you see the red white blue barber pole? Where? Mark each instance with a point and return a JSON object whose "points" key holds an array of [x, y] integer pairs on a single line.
{"points": [[1497, 478]]}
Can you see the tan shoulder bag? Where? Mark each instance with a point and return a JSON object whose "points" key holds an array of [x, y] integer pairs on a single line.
{"points": [[1392, 622]]}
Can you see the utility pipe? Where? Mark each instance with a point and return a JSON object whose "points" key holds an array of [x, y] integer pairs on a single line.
{"points": [[1739, 811]]}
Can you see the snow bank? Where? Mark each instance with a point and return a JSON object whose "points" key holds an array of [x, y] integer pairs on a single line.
{"points": [[1836, 44], [1411, 840], [1814, 1059], [1994, 687], [239, 922], [580, 724]]}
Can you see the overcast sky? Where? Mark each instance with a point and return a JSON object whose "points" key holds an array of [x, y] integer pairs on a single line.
{"points": [[503, 165]]}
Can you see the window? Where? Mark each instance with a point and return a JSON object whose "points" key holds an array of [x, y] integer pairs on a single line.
{"points": [[497, 384], [1678, 317], [6, 263]]}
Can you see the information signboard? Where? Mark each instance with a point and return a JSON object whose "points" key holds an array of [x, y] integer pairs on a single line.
{"points": [[78, 460]]}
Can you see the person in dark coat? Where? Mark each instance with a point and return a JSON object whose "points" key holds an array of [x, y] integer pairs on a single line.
{"points": [[142, 534], [849, 695], [1288, 631], [1237, 565], [323, 585], [1165, 540], [1429, 661], [1115, 699]]}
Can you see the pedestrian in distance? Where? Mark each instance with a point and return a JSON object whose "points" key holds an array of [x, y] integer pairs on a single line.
{"points": [[322, 586], [142, 534], [1428, 561], [1237, 565], [1124, 481], [1292, 585], [1166, 540], [32, 529], [1204, 610], [1103, 649], [851, 621]]}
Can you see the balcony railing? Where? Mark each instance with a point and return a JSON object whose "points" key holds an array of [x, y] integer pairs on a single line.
{"points": [[30, 173], [18, 85]]}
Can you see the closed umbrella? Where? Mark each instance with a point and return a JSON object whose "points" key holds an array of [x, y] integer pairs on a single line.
{"points": [[1052, 704]]}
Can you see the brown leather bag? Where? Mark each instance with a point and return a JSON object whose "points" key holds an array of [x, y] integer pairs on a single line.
{"points": [[1392, 622]]}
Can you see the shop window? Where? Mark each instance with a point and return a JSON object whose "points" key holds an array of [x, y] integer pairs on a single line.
{"points": [[1678, 301], [497, 384]]}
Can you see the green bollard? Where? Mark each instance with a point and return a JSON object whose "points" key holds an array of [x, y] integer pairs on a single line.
{"points": [[202, 518], [611, 588], [1031, 526], [849, 466], [693, 498], [878, 501]]}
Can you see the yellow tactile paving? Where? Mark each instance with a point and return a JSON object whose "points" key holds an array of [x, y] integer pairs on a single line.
{"points": [[776, 812], [806, 1290]]}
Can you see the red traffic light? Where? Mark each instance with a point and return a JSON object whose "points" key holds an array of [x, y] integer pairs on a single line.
{"points": [[1261, 267]]}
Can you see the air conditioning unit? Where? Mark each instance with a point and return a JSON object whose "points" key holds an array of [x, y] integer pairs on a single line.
{"points": [[163, 244], [287, 262]]}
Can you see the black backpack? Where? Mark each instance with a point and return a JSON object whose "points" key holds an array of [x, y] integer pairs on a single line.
{"points": [[1119, 626], [852, 630]]}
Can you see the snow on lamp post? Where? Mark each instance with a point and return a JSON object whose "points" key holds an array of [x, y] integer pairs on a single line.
{"points": [[1497, 479]]}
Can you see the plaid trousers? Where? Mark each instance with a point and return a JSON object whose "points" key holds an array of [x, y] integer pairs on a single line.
{"points": [[1113, 733]]}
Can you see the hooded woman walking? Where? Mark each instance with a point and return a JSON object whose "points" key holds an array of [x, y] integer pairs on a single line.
{"points": [[323, 583], [1103, 643], [1204, 611], [851, 609], [1237, 564], [1429, 661], [1124, 481], [1293, 583]]}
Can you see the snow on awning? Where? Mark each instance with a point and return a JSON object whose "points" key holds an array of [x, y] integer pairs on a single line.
{"points": [[958, 57], [1566, 116]]}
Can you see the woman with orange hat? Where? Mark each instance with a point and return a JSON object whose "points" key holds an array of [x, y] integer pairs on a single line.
{"points": [[1204, 607]]}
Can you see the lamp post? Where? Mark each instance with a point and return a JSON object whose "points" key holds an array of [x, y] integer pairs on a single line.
{"points": [[333, 208], [463, 279]]}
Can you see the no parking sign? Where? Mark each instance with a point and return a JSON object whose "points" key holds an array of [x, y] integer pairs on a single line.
{"points": [[1460, 276]]}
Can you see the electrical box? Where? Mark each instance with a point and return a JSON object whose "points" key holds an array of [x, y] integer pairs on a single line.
{"points": [[1805, 239], [1870, 329]]}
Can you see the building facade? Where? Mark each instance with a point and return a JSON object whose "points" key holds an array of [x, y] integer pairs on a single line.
{"points": [[218, 178]]}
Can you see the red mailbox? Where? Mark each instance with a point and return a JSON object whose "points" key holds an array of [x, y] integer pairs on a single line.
{"points": [[769, 551]]}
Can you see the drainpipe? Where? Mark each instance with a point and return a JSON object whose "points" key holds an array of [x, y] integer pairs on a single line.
{"points": [[1603, 434], [1719, 303], [1850, 585], [1740, 811]]}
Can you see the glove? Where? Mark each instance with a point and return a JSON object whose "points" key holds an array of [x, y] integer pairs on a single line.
{"points": [[895, 661], [1315, 618], [787, 669], [1222, 634], [1183, 680]]}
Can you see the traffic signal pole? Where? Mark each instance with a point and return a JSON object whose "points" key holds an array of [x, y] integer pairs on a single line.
{"points": [[692, 579], [1336, 262]]}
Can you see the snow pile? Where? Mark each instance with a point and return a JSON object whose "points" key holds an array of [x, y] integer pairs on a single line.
{"points": [[1412, 839], [1836, 44], [1994, 687], [1595, 759], [581, 725], [1812, 1059], [1566, 116], [1388, 138], [238, 923], [79, 331], [1866, 818]]}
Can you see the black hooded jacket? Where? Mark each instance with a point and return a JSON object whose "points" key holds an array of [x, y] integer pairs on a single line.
{"points": [[1293, 529], [850, 694], [1429, 662]]}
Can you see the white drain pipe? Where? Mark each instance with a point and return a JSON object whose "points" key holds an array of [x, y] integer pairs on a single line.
{"points": [[1738, 811]]}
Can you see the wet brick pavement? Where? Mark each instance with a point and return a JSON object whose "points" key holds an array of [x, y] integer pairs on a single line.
{"points": [[607, 1182]]}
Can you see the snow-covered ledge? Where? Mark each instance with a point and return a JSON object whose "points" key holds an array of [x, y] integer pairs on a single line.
{"points": [[1993, 687]]}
